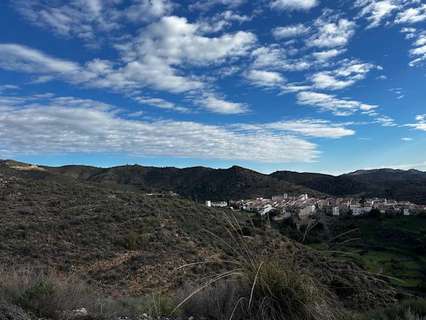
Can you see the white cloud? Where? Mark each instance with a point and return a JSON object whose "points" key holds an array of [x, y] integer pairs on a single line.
{"points": [[294, 4], [305, 127], [221, 21], [420, 123], [376, 11], [65, 126], [327, 102], [412, 15], [216, 104], [275, 58], [8, 87], [265, 78], [160, 103], [176, 41], [153, 58], [90, 20], [407, 139], [149, 71], [290, 31], [348, 74], [328, 54], [385, 121], [18, 57], [146, 10], [332, 32], [313, 128], [418, 52], [406, 12], [158, 58], [205, 5]]}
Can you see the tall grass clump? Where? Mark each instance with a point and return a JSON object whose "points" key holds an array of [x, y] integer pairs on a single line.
{"points": [[259, 287]]}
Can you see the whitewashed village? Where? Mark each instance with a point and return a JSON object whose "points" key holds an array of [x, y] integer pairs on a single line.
{"points": [[303, 207]]}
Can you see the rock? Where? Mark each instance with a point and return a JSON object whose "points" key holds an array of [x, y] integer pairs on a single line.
{"points": [[11, 312], [80, 312]]}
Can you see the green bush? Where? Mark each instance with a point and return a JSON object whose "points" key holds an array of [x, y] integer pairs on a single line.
{"points": [[35, 298]]}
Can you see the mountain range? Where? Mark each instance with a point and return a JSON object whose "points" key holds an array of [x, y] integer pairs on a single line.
{"points": [[202, 183]]}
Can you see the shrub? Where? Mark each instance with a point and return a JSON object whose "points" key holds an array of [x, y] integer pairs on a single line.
{"points": [[155, 305], [48, 294]]}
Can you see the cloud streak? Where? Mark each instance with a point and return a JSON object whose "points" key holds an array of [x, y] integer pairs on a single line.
{"points": [[67, 125], [328, 102]]}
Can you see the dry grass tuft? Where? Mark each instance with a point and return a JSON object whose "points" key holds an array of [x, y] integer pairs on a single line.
{"points": [[260, 287]]}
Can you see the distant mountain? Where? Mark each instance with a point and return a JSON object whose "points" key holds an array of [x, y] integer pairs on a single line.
{"points": [[393, 184], [332, 185], [201, 183], [403, 185], [197, 183]]}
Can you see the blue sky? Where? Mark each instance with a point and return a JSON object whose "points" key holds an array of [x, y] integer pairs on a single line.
{"points": [[306, 85]]}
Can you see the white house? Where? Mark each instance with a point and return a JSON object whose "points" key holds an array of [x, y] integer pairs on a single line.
{"points": [[220, 204], [266, 209], [358, 211], [304, 197], [336, 211], [307, 211], [280, 197]]}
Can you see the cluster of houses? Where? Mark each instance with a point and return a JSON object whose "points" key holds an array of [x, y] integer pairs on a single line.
{"points": [[303, 206]]}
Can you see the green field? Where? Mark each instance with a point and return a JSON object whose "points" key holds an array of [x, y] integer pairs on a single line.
{"points": [[392, 246]]}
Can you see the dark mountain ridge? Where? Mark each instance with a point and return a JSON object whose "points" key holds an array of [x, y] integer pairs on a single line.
{"points": [[197, 183], [202, 183]]}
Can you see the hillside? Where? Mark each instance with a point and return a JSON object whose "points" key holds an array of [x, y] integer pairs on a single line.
{"points": [[129, 243], [99, 232]]}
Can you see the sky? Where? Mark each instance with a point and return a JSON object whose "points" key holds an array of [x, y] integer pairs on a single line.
{"points": [[304, 85]]}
